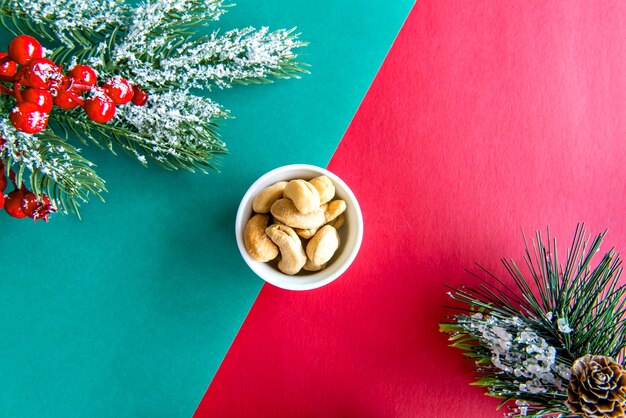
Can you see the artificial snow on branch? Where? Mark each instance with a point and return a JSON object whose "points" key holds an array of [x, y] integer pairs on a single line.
{"points": [[238, 56], [161, 49], [554, 340]]}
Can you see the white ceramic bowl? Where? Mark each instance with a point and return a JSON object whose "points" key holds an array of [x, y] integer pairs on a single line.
{"points": [[351, 233]]}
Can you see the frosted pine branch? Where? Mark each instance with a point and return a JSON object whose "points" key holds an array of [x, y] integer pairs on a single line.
{"points": [[56, 167], [164, 47], [239, 56], [156, 20], [67, 17], [156, 26], [517, 349], [175, 126]]}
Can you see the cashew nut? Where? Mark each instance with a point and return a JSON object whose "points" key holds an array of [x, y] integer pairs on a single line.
{"points": [[264, 200], [291, 251], [335, 208], [285, 211], [304, 196], [304, 226], [257, 243], [325, 188], [333, 214], [338, 221], [323, 245], [306, 233], [309, 266]]}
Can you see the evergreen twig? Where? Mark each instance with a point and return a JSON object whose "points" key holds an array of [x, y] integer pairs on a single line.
{"points": [[524, 338], [159, 45]]}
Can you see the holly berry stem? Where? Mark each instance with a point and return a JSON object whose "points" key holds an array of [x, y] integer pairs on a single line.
{"points": [[17, 92], [19, 75], [82, 87]]}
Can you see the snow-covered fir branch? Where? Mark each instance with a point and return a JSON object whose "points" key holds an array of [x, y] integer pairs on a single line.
{"points": [[66, 17], [163, 46], [240, 55], [156, 26], [27, 149], [63, 173], [174, 125], [156, 20], [517, 350]]}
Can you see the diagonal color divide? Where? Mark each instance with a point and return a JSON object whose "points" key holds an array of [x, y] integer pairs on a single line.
{"points": [[130, 312], [485, 117]]}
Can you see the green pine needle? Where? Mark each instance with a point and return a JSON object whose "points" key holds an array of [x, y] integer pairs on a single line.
{"points": [[575, 307]]}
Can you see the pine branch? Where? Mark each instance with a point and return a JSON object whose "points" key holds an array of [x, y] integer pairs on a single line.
{"points": [[56, 168], [75, 29], [154, 45], [562, 311], [240, 56], [176, 129], [74, 23], [156, 19], [18, 22]]}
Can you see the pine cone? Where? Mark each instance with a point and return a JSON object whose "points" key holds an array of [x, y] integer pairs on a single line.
{"points": [[597, 388]]}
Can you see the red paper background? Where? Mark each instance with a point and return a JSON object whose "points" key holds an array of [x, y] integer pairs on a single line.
{"points": [[486, 117]]}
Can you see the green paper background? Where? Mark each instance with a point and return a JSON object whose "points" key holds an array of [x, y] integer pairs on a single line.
{"points": [[130, 311]]}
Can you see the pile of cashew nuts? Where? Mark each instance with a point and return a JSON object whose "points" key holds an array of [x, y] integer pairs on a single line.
{"points": [[299, 220]]}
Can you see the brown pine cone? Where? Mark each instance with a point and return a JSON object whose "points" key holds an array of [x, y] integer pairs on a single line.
{"points": [[597, 388]]}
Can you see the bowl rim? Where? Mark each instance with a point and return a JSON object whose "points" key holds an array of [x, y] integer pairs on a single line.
{"points": [[282, 280]]}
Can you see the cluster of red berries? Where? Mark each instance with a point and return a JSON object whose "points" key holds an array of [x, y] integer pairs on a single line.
{"points": [[21, 202], [45, 85]]}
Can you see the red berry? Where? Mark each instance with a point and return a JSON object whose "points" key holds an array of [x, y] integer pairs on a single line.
{"points": [[140, 97], [3, 183], [29, 204], [100, 108], [7, 68], [40, 73], [28, 118], [65, 101], [1, 200], [42, 214], [41, 98], [37, 208], [119, 90], [84, 74], [13, 204], [24, 48]]}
